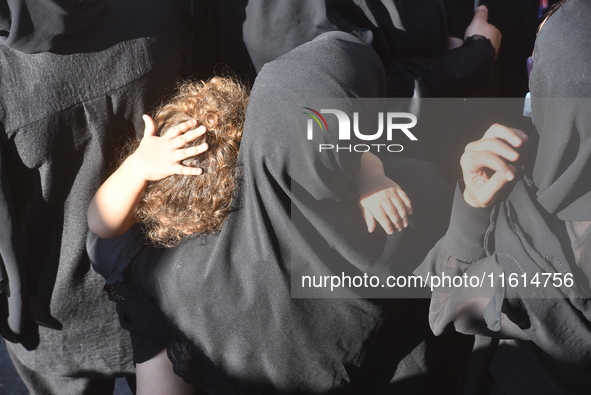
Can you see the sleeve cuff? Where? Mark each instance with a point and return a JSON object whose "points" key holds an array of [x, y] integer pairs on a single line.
{"points": [[468, 225], [110, 257]]}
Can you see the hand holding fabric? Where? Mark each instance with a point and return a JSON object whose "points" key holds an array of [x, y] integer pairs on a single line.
{"points": [[485, 164]]}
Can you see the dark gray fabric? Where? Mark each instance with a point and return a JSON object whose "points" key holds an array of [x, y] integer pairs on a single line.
{"points": [[12, 295], [38, 383], [238, 281], [466, 240], [559, 82], [517, 365], [110, 258], [529, 227], [529, 234], [33, 26], [410, 37], [528, 240], [229, 294], [61, 118]]}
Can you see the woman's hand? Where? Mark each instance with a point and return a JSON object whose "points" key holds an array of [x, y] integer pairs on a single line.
{"points": [[158, 157], [383, 200], [485, 164], [480, 26]]}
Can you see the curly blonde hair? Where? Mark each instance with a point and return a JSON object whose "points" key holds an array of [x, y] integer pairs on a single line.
{"points": [[179, 205]]}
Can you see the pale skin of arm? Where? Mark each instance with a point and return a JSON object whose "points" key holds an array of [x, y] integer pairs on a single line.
{"points": [[111, 211], [381, 199]]}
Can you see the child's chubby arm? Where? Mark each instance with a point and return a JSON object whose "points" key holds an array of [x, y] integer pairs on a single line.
{"points": [[111, 211], [381, 199]]}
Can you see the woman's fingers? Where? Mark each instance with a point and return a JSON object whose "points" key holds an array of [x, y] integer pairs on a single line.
{"points": [[475, 163], [515, 137], [496, 146], [481, 12], [493, 151], [490, 189], [485, 164], [188, 136], [486, 193], [179, 129], [482, 187]]}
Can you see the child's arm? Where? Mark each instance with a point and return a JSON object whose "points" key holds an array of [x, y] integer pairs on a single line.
{"points": [[111, 211], [381, 199]]}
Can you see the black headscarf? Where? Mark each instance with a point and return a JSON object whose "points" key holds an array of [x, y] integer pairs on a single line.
{"points": [[530, 237], [560, 80], [33, 26], [61, 117]]}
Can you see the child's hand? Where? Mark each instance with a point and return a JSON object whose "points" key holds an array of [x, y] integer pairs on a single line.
{"points": [[385, 202], [158, 157]]}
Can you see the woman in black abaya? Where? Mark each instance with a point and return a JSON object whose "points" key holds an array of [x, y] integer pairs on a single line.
{"points": [[411, 38], [222, 303], [75, 76], [531, 230]]}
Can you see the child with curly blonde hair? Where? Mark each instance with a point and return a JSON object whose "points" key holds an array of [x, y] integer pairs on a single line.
{"points": [[220, 302], [179, 181]]}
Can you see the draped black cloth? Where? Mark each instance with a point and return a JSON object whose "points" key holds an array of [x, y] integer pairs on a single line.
{"points": [[529, 226], [229, 294], [33, 26], [540, 226], [61, 118], [559, 86], [410, 37]]}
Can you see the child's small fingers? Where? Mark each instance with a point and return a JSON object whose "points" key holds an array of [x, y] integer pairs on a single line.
{"points": [[398, 213], [188, 152], [188, 171], [188, 136], [405, 200], [383, 219], [149, 126], [179, 129], [369, 220]]}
